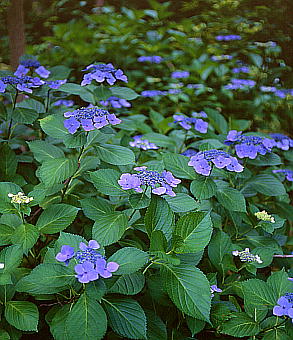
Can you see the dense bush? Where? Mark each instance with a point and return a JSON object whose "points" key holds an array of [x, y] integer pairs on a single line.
{"points": [[149, 199]]}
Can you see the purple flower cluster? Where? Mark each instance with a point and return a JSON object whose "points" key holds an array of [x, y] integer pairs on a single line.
{"points": [[288, 173], [239, 84], [154, 59], [228, 37], [189, 152], [101, 73], [281, 141], [221, 57], [22, 83], [153, 93], [249, 146], [31, 64], [242, 69], [284, 306], [203, 161], [160, 183], [214, 289], [55, 84], [180, 74], [115, 102], [268, 89], [198, 124], [195, 86], [89, 118], [283, 93], [143, 144], [91, 264], [64, 102]]}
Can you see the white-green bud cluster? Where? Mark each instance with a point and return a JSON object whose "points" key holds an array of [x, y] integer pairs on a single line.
{"points": [[264, 216], [20, 198]]}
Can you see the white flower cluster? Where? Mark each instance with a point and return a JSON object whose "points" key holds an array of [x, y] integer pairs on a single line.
{"points": [[264, 216], [246, 256], [2, 265], [20, 198]]}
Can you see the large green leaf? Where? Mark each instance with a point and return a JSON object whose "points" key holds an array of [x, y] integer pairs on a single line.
{"points": [[126, 317], [57, 170], [124, 92], [106, 182], [109, 228], [115, 154], [203, 187], [24, 116], [231, 199], [267, 185], [11, 257], [240, 325], [181, 202], [25, 235], [46, 278], [94, 207], [86, 320], [189, 289], [130, 260], [53, 125], [6, 232], [56, 218], [8, 164], [192, 232], [178, 165], [78, 90], [128, 284], [44, 151], [23, 315], [159, 216], [156, 329], [58, 326]]}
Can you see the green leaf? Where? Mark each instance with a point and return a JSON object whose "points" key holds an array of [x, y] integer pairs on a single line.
{"points": [[87, 319], [203, 187], [5, 234], [70, 240], [102, 93], [115, 154], [57, 170], [44, 151], [56, 218], [231, 199], [25, 235], [53, 125], [240, 325], [156, 329], [8, 164], [78, 90], [128, 284], [195, 325], [126, 317], [106, 182], [31, 104], [158, 241], [11, 257], [266, 160], [123, 92], [177, 164], [75, 141], [24, 116], [189, 289], [130, 260], [96, 289], [217, 120], [159, 216], [22, 315], [194, 230], [46, 278], [109, 228], [181, 202], [267, 185], [58, 326], [139, 201], [94, 207]]}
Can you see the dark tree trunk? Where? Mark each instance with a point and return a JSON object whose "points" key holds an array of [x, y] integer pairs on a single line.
{"points": [[15, 23]]}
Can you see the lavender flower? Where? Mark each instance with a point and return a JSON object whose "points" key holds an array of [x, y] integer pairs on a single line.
{"points": [[214, 289], [89, 118], [65, 255], [143, 144], [203, 161], [153, 93], [281, 141], [155, 59], [31, 64], [242, 69], [249, 146], [265, 44], [284, 306], [160, 183], [55, 84], [115, 102], [189, 152], [22, 83], [195, 86], [268, 88], [198, 124], [174, 91], [221, 57], [228, 37], [91, 264], [64, 102], [283, 93], [288, 173], [180, 74], [246, 256], [101, 73], [240, 84]]}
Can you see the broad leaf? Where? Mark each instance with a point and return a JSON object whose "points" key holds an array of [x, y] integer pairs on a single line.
{"points": [[115, 154], [128, 284], [240, 325], [181, 202], [177, 164], [231, 199], [106, 182], [22, 315], [44, 151], [203, 187]]}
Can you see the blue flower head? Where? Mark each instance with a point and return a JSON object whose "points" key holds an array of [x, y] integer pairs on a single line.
{"points": [[281, 141], [21, 83], [90, 118], [101, 73], [26, 65], [187, 122], [153, 93], [249, 146], [288, 173], [284, 306], [180, 74], [237, 84], [155, 59], [143, 144], [229, 37], [115, 102]]}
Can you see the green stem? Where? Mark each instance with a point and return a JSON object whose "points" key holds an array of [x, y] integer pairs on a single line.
{"points": [[47, 101], [13, 108]]}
